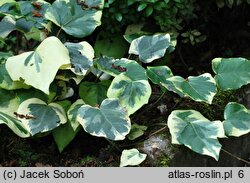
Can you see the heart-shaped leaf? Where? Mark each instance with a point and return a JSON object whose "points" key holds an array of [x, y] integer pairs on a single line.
{"points": [[110, 120], [136, 131], [81, 56], [131, 157], [39, 117], [237, 119], [150, 48], [9, 103], [94, 93], [190, 128], [131, 94], [115, 46], [199, 88], [39, 68], [73, 19], [63, 135], [231, 73]]}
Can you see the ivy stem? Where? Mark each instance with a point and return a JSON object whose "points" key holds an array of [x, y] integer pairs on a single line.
{"points": [[114, 145], [58, 33], [157, 131], [240, 159], [129, 56], [153, 104], [147, 137], [158, 124]]}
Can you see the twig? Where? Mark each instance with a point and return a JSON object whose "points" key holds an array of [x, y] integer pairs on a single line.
{"points": [[114, 145], [240, 159], [157, 131], [182, 60], [58, 33]]}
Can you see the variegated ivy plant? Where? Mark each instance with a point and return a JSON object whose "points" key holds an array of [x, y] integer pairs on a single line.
{"points": [[35, 95]]}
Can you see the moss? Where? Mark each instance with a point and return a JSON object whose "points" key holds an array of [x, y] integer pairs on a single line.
{"points": [[212, 111], [163, 161]]}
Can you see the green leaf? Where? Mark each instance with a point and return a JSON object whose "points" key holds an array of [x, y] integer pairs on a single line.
{"points": [[150, 48], [110, 120], [131, 94], [41, 117], [136, 131], [141, 7], [118, 17], [149, 11], [231, 73], [131, 157], [190, 128], [237, 119], [7, 25], [72, 114], [74, 20], [94, 93], [39, 68], [63, 135], [114, 46], [81, 57], [200, 88]]}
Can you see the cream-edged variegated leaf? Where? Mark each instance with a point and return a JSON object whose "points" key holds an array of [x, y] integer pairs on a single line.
{"points": [[131, 94], [192, 129], [73, 19], [131, 157], [81, 57], [150, 48], [231, 73], [200, 88], [38, 68], [8, 105], [38, 117], [237, 119], [72, 113], [110, 120]]}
